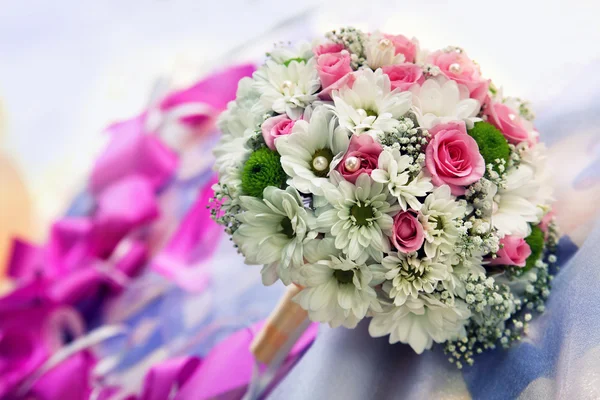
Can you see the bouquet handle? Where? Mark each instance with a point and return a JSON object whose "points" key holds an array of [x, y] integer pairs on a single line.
{"points": [[282, 327]]}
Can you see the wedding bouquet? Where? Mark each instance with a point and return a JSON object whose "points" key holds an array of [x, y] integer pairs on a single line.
{"points": [[393, 183]]}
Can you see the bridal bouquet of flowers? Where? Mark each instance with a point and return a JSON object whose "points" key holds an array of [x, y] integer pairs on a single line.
{"points": [[393, 183]]}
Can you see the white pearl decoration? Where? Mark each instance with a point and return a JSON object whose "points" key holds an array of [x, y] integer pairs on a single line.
{"points": [[352, 164], [384, 43], [454, 67], [320, 163]]}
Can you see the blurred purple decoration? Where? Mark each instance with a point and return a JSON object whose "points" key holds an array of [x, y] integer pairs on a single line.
{"points": [[213, 93], [133, 151]]}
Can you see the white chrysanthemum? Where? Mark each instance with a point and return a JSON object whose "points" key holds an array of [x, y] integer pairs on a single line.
{"points": [[273, 232], [359, 216], [284, 52], [381, 52], [455, 282], [237, 124], [409, 275], [393, 170], [336, 290], [309, 153], [287, 89], [421, 322], [440, 100], [439, 216], [370, 106], [526, 196]]}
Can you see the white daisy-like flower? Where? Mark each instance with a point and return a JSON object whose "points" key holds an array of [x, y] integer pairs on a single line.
{"points": [[359, 216], [237, 124], [381, 52], [420, 322], [409, 275], [370, 106], [284, 52], [394, 171], [287, 88], [439, 216], [455, 282], [336, 290], [525, 197], [440, 100], [310, 152], [273, 232]]}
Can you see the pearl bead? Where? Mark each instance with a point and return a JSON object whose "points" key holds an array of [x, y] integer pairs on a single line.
{"points": [[454, 67], [352, 164], [320, 163], [383, 43]]}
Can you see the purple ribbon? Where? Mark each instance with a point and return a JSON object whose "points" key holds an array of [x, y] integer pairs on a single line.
{"points": [[214, 92], [186, 259], [106, 249]]}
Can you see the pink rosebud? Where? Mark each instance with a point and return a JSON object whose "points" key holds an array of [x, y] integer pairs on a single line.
{"points": [[508, 122], [361, 157], [346, 81], [274, 127], [403, 76], [332, 67], [546, 220], [327, 48], [514, 251], [460, 68], [404, 45], [408, 235], [452, 157]]}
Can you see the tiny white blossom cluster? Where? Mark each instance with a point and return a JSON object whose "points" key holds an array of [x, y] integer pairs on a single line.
{"points": [[389, 183]]}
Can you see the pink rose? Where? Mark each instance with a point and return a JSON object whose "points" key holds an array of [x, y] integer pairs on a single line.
{"points": [[514, 251], [346, 81], [403, 76], [333, 66], [546, 220], [361, 157], [408, 235], [460, 68], [405, 46], [274, 127], [326, 48], [452, 157], [508, 122]]}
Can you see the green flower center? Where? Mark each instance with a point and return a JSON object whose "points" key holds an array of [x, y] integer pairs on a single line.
{"points": [[297, 59], [342, 276], [371, 113], [262, 169], [320, 169], [362, 213], [288, 230], [409, 273], [439, 224]]}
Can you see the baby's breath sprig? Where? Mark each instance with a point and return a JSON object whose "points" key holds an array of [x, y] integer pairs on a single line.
{"points": [[492, 305], [223, 209], [353, 40], [410, 139]]}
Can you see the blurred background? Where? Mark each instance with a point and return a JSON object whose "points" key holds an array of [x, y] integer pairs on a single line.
{"points": [[69, 68]]}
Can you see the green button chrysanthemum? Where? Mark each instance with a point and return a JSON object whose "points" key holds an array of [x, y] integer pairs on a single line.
{"points": [[536, 243], [492, 143], [262, 169]]}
